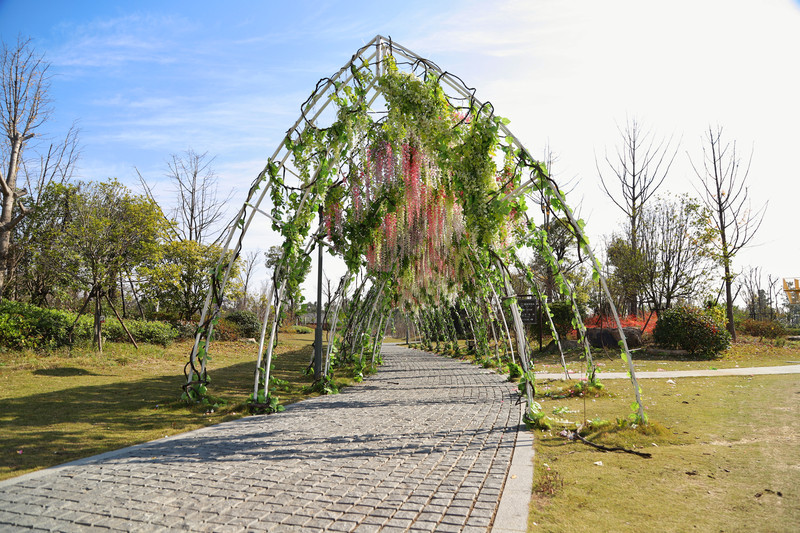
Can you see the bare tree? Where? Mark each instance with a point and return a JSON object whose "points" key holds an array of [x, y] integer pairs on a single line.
{"points": [[24, 85], [640, 167], [762, 301], [560, 237], [199, 207], [249, 264], [722, 186], [750, 282], [328, 294]]}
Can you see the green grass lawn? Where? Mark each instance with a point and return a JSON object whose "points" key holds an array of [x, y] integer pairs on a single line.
{"points": [[62, 406]]}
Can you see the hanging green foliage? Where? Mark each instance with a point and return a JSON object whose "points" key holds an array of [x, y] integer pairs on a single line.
{"points": [[426, 196]]}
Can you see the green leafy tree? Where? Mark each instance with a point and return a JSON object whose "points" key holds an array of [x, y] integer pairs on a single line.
{"points": [[109, 229], [177, 277], [673, 258], [629, 266], [676, 251], [41, 271]]}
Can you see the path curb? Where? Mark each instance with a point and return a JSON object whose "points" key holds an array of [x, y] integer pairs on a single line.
{"points": [[512, 512]]}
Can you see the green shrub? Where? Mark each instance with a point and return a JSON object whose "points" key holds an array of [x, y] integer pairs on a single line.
{"points": [[691, 329], [142, 330], [27, 326], [769, 329], [225, 330], [248, 322]]}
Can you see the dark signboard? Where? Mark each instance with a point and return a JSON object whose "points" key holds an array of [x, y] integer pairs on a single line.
{"points": [[530, 310]]}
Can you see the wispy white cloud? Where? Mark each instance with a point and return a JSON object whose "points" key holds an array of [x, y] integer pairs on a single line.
{"points": [[118, 41]]}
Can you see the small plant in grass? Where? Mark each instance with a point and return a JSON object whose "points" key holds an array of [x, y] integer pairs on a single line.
{"points": [[359, 367], [625, 432], [325, 385], [538, 419], [548, 482], [278, 384], [265, 403], [514, 371], [577, 389]]}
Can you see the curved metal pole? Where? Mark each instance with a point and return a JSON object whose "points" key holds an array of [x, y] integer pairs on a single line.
{"points": [[378, 297], [261, 338], [521, 341], [271, 346], [332, 331]]}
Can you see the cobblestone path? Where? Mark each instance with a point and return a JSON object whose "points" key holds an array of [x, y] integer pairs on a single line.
{"points": [[424, 445]]}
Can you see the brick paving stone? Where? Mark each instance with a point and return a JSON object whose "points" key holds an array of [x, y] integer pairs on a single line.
{"points": [[399, 522], [296, 520], [479, 521], [341, 525], [411, 515], [423, 445], [454, 517], [448, 528], [367, 528], [412, 506], [320, 524], [383, 512], [423, 525]]}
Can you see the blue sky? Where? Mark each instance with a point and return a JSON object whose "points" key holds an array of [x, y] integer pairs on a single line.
{"points": [[148, 79]]}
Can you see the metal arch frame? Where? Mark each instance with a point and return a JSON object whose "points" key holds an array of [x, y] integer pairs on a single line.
{"points": [[322, 94]]}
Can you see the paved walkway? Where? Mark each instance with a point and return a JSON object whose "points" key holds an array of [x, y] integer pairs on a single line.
{"points": [[424, 445]]}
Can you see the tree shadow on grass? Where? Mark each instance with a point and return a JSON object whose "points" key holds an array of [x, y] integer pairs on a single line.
{"points": [[63, 372], [46, 429]]}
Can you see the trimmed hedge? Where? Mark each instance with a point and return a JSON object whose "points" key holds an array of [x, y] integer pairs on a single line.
{"points": [[248, 322], [142, 330], [27, 326], [691, 329], [769, 329]]}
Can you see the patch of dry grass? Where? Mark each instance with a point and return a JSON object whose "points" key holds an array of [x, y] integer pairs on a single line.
{"points": [[724, 458]]}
